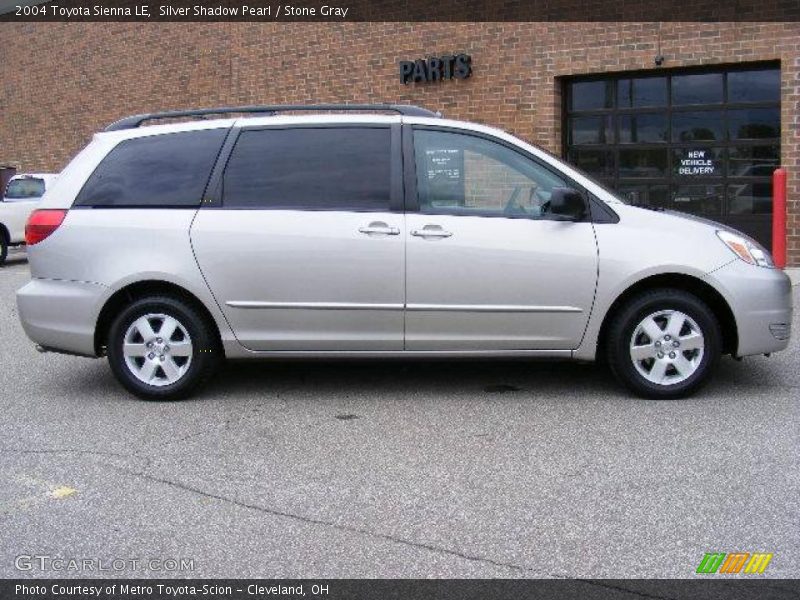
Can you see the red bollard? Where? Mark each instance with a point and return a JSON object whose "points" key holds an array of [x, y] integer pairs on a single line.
{"points": [[779, 217]]}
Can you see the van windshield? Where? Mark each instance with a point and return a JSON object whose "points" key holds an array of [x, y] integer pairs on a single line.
{"points": [[27, 188]]}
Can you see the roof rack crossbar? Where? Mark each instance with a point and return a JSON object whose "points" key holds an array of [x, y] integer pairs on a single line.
{"points": [[135, 121]]}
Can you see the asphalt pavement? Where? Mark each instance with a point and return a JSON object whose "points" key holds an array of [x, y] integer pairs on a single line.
{"points": [[391, 469]]}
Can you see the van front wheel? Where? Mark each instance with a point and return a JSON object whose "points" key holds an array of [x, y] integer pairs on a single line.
{"points": [[664, 344], [161, 348]]}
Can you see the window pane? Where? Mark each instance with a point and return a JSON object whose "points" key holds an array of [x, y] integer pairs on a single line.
{"points": [[698, 199], [656, 196], [705, 88], [491, 179], [643, 162], [753, 161], [159, 170], [698, 162], [754, 86], [647, 91], [26, 188], [643, 128], [590, 130], [699, 125], [590, 95], [594, 162], [754, 123], [750, 198], [344, 168]]}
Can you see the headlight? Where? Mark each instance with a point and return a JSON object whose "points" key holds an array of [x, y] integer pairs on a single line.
{"points": [[746, 249]]}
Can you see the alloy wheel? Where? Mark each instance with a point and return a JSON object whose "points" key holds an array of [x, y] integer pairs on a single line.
{"points": [[667, 347], [157, 349]]}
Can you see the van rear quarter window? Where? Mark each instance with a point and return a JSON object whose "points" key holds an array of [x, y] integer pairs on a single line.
{"points": [[168, 170]]}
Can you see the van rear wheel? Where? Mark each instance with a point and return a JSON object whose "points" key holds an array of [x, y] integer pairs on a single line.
{"points": [[664, 344], [161, 348]]}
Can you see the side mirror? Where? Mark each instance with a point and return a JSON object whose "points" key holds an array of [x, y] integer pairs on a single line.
{"points": [[567, 204]]}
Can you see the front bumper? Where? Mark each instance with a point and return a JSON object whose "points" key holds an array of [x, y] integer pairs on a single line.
{"points": [[761, 301], [61, 315]]}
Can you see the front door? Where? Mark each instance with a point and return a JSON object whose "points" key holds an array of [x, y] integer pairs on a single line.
{"points": [[487, 267], [305, 252]]}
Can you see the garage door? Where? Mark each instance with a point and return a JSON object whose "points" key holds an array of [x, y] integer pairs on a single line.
{"points": [[700, 141]]}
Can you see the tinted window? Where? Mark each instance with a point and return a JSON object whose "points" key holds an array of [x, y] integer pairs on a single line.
{"points": [[155, 171], [750, 198], [469, 175], [754, 161], [754, 123], [754, 86], [588, 95], [646, 195], [595, 162], [643, 162], [704, 88], [700, 125], [638, 128], [590, 130], [344, 168], [27, 188], [649, 91], [698, 199]]}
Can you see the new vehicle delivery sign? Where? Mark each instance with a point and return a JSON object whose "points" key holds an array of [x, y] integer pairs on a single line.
{"points": [[696, 162]]}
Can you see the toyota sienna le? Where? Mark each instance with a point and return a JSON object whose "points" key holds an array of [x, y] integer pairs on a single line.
{"points": [[357, 233]]}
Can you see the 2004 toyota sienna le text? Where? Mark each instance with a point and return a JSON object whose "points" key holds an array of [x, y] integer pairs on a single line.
{"points": [[357, 233]]}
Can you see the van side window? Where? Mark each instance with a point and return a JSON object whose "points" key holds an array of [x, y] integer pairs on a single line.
{"points": [[311, 168], [168, 170], [461, 174]]}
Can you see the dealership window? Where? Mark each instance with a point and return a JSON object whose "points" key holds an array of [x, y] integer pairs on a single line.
{"points": [[700, 141]]}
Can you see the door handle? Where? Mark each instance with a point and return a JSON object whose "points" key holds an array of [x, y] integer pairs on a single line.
{"points": [[431, 231], [379, 228]]}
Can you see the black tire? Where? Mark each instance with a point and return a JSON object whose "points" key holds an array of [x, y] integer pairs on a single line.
{"points": [[205, 356], [627, 319], [3, 247]]}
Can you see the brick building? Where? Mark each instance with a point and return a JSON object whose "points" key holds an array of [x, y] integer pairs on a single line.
{"points": [[700, 132]]}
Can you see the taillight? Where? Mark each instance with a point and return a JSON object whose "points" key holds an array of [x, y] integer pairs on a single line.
{"points": [[42, 223]]}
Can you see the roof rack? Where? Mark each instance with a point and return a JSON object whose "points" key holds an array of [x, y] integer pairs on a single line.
{"points": [[135, 121]]}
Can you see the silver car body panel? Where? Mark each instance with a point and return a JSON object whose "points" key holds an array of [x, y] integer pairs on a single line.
{"points": [[758, 298], [498, 284], [305, 280], [309, 284], [109, 249]]}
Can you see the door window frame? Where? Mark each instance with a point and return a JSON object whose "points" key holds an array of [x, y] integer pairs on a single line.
{"points": [[412, 204]]}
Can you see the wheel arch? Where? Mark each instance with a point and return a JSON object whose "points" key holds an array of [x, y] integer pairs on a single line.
{"points": [[688, 283], [5, 233], [141, 289]]}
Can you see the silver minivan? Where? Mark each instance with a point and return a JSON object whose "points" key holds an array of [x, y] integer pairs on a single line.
{"points": [[342, 231]]}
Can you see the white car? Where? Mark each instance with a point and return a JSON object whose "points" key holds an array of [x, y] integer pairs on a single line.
{"points": [[20, 197]]}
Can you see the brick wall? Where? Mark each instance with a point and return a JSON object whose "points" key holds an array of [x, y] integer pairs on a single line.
{"points": [[59, 83]]}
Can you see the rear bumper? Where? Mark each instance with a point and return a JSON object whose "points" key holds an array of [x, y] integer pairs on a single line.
{"points": [[761, 301], [61, 315]]}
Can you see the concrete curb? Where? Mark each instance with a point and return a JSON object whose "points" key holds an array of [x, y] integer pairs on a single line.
{"points": [[794, 275]]}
